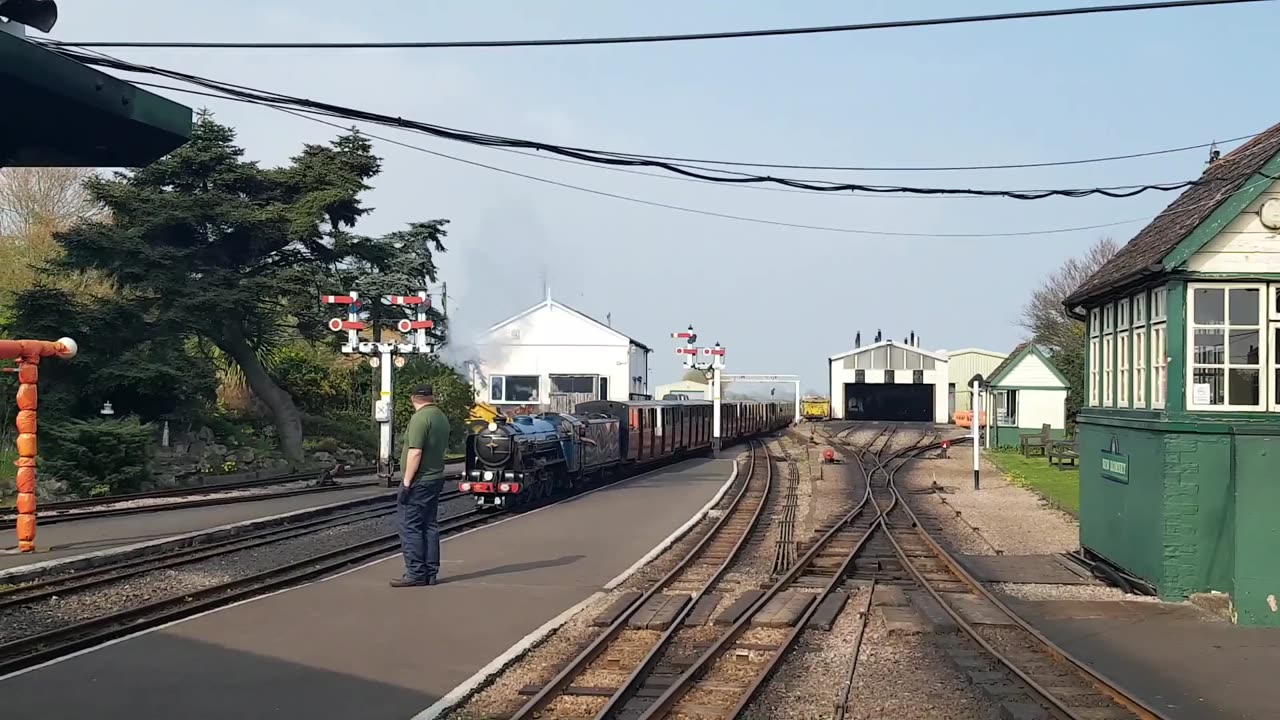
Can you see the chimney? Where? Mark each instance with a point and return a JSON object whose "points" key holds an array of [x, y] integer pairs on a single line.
{"points": [[912, 343], [857, 340], [879, 335]]}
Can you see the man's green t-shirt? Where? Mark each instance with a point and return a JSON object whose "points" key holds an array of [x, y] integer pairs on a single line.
{"points": [[428, 431]]}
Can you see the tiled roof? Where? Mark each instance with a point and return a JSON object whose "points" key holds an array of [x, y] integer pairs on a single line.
{"points": [[1155, 241]]}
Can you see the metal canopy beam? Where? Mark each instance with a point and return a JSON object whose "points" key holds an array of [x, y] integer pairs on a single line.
{"points": [[59, 112]]}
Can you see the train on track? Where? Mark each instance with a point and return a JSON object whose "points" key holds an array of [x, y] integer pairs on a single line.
{"points": [[518, 461]]}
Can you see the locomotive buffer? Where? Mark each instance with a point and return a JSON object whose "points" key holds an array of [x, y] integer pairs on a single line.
{"points": [[382, 355]]}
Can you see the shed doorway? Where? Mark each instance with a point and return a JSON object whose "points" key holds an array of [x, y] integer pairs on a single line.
{"points": [[895, 403]]}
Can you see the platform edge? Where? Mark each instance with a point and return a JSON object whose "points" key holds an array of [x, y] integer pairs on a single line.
{"points": [[463, 690]]}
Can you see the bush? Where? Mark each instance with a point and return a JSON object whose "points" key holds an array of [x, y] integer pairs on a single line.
{"points": [[355, 430], [98, 457], [454, 395]]}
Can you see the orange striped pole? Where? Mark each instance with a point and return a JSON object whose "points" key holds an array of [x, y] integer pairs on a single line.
{"points": [[28, 353]]}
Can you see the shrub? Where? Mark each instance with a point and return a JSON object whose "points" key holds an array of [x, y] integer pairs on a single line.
{"points": [[97, 457], [355, 430]]}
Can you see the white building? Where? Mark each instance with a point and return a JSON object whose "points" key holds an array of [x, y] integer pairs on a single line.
{"points": [[1028, 392], [889, 380], [551, 357], [692, 390]]}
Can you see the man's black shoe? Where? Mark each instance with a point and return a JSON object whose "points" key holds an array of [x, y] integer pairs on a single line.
{"points": [[409, 582]]}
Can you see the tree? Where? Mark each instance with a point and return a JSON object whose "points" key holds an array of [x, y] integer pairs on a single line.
{"points": [[206, 244], [1053, 328], [34, 204]]}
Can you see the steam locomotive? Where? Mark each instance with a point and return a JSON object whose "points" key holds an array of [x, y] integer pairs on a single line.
{"points": [[528, 458]]}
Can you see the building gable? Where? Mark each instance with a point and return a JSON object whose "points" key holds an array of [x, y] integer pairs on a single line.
{"points": [[1027, 367], [1225, 189], [551, 323], [1243, 245]]}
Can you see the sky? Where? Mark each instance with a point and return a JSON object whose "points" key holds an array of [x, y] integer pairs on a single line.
{"points": [[781, 300]]}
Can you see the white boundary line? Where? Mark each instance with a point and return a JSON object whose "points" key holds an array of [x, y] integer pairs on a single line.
{"points": [[471, 684], [549, 626]]}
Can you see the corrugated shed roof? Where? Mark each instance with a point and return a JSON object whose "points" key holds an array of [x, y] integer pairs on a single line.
{"points": [[1222, 179]]}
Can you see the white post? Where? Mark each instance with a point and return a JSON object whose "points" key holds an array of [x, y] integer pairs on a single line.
{"points": [[977, 418], [797, 418], [715, 408], [385, 415], [989, 400]]}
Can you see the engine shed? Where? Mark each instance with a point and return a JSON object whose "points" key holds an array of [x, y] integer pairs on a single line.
{"points": [[890, 381], [1180, 433]]}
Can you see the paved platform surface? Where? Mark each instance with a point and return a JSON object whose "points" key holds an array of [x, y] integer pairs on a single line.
{"points": [[1172, 656], [77, 537], [352, 647]]}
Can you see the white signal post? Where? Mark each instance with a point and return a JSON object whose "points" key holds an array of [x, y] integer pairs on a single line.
{"points": [[977, 382], [383, 355]]}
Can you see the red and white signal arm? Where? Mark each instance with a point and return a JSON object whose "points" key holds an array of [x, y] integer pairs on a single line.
{"points": [[686, 351], [405, 326]]}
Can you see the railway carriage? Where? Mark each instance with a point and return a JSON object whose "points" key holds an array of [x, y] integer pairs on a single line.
{"points": [[518, 461]]}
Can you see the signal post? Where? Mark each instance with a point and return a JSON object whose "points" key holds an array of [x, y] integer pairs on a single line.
{"points": [[711, 369], [382, 356]]}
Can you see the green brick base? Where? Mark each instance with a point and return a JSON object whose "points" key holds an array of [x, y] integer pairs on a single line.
{"points": [[1199, 509]]}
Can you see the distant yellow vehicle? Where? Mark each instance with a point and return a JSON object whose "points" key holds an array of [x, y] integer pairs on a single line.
{"points": [[815, 408]]}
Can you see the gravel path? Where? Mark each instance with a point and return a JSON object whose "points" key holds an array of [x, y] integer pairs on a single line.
{"points": [[1001, 516], [44, 615]]}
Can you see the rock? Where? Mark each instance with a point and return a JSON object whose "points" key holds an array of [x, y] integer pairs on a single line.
{"points": [[246, 456], [323, 457], [206, 434], [217, 449]]}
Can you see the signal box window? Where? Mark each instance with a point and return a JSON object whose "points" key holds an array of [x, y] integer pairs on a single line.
{"points": [[573, 384]]}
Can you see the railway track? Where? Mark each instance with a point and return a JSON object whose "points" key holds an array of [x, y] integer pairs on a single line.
{"points": [[629, 652], [724, 678], [93, 508], [94, 577], [1011, 661], [34, 649]]}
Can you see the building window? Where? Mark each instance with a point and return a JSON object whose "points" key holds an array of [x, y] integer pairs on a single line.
{"points": [[1007, 407], [1226, 355], [514, 388], [1159, 303], [1159, 365], [1108, 370], [1095, 327], [1094, 371], [604, 388], [1122, 315], [1140, 360], [1139, 310], [1122, 365], [585, 384], [1108, 318]]}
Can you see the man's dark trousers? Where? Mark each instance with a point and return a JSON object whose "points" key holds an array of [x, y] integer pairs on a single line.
{"points": [[420, 530]]}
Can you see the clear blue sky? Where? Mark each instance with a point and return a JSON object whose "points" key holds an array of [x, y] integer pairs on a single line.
{"points": [[781, 300]]}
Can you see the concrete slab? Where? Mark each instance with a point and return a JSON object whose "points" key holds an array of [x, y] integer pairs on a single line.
{"points": [[1038, 569], [783, 609], [1175, 657], [610, 615], [351, 646], [701, 612], [658, 612], [976, 610]]}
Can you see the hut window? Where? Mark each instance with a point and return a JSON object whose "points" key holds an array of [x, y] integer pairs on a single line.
{"points": [[1141, 358]]}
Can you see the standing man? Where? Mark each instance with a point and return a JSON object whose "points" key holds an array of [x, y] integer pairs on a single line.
{"points": [[425, 441]]}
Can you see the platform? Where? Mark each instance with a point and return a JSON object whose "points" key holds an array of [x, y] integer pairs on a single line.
{"points": [[77, 537], [1172, 656], [351, 646]]}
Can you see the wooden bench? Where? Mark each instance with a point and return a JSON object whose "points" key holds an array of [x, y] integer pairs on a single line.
{"points": [[1031, 442], [1065, 452]]}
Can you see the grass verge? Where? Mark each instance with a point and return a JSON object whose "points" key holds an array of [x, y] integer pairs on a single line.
{"points": [[1059, 488]]}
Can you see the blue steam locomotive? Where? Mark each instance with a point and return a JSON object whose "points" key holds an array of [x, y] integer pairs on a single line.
{"points": [[528, 458]]}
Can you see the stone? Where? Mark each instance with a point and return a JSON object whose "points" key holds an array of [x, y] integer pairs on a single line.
{"points": [[246, 455]]}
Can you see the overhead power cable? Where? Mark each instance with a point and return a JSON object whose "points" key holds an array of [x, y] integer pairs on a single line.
{"points": [[709, 174], [684, 37], [312, 115]]}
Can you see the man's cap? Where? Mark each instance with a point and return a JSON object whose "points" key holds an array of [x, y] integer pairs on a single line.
{"points": [[424, 390]]}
